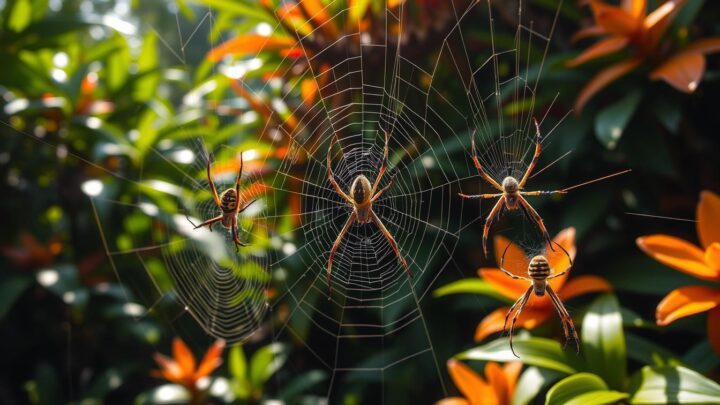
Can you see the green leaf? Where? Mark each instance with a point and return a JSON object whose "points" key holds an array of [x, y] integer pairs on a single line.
{"points": [[147, 63], [20, 16], [118, 64], [582, 389], [661, 385], [611, 121], [604, 341], [469, 286], [533, 351], [237, 363], [532, 381], [249, 11], [10, 290], [648, 352], [300, 384], [265, 362]]}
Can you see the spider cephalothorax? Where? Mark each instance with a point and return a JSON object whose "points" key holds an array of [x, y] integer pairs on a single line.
{"points": [[361, 197], [511, 192], [539, 272], [229, 206]]}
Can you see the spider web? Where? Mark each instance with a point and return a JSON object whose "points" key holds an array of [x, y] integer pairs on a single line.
{"points": [[373, 325]]}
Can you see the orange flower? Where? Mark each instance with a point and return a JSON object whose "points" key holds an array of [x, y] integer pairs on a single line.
{"points": [[181, 368], [693, 260], [31, 253], [497, 390], [629, 26], [539, 309]]}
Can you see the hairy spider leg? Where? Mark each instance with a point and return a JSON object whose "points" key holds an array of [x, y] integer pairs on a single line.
{"points": [[335, 246], [331, 176], [391, 241], [564, 318], [496, 210], [525, 299], [535, 158]]}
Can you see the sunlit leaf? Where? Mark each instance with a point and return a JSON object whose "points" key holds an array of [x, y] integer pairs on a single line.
{"points": [[604, 341], [582, 389], [533, 351], [470, 286], [661, 385], [265, 362]]}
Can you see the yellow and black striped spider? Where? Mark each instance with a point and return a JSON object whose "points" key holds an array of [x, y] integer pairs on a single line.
{"points": [[511, 196], [229, 205], [539, 273], [361, 197]]}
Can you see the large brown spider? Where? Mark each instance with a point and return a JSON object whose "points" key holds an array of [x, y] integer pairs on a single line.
{"points": [[229, 206], [361, 197], [539, 273], [511, 196]]}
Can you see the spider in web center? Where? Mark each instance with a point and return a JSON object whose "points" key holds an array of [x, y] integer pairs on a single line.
{"points": [[511, 192], [539, 273], [361, 197], [229, 205]]}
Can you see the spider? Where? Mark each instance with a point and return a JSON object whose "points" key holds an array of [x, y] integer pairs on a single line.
{"points": [[539, 273], [229, 206], [511, 196], [361, 197]]}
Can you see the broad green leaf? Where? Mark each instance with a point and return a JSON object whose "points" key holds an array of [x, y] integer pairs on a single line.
{"points": [[301, 383], [147, 63], [582, 389], [469, 286], [20, 16], [648, 352], [702, 357], [532, 381], [10, 290], [118, 64], [533, 351], [265, 362], [237, 364], [604, 341], [250, 11], [610, 123], [661, 385]]}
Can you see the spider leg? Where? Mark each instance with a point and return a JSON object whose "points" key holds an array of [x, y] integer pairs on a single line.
{"points": [[335, 246], [235, 236], [502, 268], [533, 193], [479, 195], [537, 218], [525, 299], [382, 190], [496, 210], [246, 206], [391, 241], [535, 158], [478, 166], [383, 165], [237, 187], [564, 317], [212, 186], [209, 223], [510, 311], [331, 177]]}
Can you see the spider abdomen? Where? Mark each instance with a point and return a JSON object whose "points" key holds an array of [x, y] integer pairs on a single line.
{"points": [[539, 268], [228, 200]]}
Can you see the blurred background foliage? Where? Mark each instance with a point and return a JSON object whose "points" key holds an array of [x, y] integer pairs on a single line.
{"points": [[106, 97]]}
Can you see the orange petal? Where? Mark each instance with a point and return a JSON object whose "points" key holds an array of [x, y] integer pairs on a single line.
{"points": [[498, 381], [635, 8], [683, 71], [678, 254], [599, 49], [505, 285], [686, 301], [516, 260], [705, 45], [713, 327], [170, 370], [473, 387], [249, 44], [557, 259], [708, 218], [212, 359], [512, 372], [712, 256], [308, 90], [603, 78], [617, 21], [657, 22], [529, 318], [587, 32], [183, 356], [453, 401], [317, 11], [584, 285]]}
